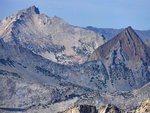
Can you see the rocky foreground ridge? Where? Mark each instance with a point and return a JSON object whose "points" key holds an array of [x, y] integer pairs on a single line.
{"points": [[143, 108]]}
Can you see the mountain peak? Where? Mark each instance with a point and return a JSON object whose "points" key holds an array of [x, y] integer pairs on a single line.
{"points": [[127, 33], [129, 27], [128, 42], [130, 30], [54, 37], [33, 10]]}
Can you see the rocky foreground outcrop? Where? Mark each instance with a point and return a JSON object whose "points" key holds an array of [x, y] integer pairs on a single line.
{"points": [[92, 109], [143, 108], [81, 109], [109, 109]]}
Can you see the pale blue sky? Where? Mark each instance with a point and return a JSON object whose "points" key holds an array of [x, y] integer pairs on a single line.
{"points": [[97, 13]]}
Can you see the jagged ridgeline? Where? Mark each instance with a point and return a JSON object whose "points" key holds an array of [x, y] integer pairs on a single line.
{"points": [[116, 72], [51, 38]]}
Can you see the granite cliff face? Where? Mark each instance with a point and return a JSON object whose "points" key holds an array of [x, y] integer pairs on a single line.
{"points": [[51, 38]]}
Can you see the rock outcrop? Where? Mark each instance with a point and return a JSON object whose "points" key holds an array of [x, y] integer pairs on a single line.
{"points": [[144, 107], [92, 109], [81, 109], [110, 109]]}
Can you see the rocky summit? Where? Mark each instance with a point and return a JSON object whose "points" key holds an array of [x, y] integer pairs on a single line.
{"points": [[51, 38]]}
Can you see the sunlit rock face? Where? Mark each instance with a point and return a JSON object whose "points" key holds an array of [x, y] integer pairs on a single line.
{"points": [[110, 109], [51, 38], [144, 107]]}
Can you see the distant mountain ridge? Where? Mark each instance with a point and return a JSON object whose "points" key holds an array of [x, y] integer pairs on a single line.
{"points": [[51, 38], [110, 32]]}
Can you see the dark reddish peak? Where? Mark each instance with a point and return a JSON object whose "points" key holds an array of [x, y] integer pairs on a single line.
{"points": [[128, 33], [129, 27], [129, 42], [30, 10], [130, 37]]}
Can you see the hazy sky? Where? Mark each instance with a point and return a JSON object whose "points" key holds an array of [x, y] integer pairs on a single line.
{"points": [[98, 13]]}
